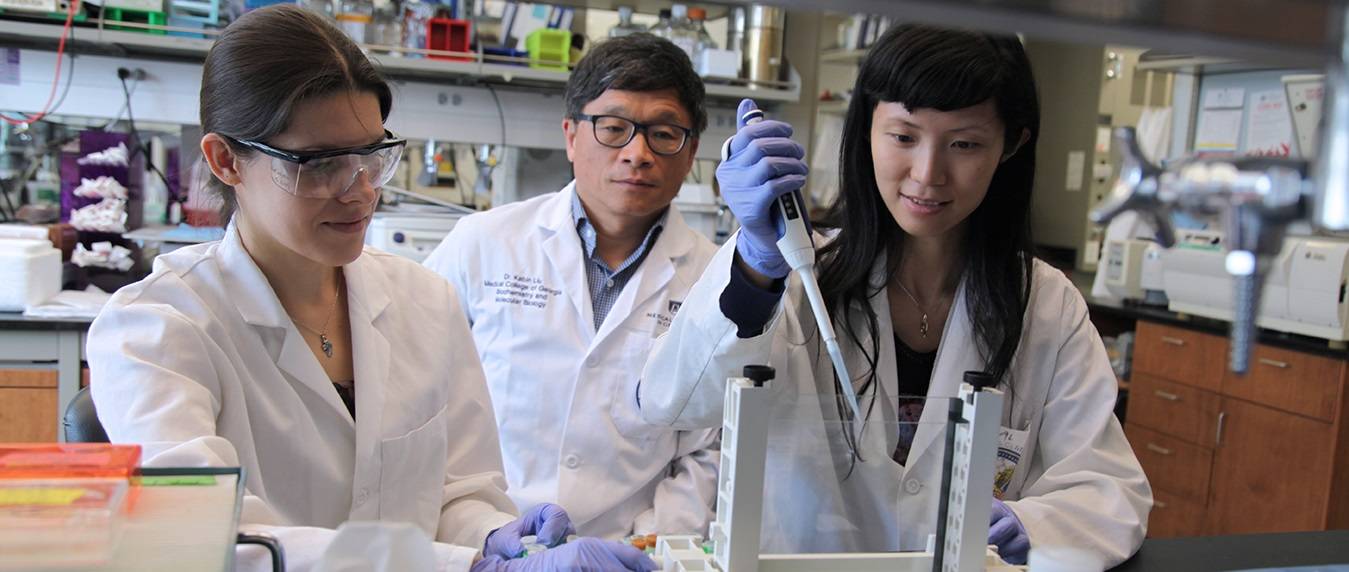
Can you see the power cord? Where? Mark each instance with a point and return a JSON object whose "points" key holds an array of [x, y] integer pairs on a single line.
{"points": [[138, 144]]}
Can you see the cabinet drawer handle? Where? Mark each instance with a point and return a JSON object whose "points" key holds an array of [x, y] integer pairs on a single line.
{"points": [[1173, 341], [1218, 437], [1274, 363], [1160, 450], [1166, 395], [1158, 504]]}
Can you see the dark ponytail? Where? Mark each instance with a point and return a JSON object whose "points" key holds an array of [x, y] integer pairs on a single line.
{"points": [[267, 62]]}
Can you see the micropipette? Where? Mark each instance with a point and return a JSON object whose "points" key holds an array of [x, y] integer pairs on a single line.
{"points": [[798, 249]]}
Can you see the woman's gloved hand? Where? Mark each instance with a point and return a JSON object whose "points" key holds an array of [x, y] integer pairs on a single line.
{"points": [[547, 521], [761, 163], [1006, 532], [582, 555]]}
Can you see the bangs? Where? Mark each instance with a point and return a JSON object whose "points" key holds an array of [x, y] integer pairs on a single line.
{"points": [[924, 68]]}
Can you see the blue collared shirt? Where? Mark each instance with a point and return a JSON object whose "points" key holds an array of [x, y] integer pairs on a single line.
{"points": [[607, 283]]}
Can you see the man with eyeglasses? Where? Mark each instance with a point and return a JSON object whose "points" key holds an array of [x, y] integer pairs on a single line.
{"points": [[566, 293]]}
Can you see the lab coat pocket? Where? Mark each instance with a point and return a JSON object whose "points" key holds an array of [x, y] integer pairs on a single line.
{"points": [[412, 474], [626, 415], [1011, 448]]}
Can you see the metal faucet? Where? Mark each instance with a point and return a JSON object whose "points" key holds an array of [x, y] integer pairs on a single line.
{"points": [[1257, 197]]}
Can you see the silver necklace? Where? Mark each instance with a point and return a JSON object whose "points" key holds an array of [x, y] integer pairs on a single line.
{"points": [[324, 343], [922, 324]]}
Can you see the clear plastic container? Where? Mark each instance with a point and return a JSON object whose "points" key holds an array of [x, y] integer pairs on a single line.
{"points": [[704, 41], [57, 524]]}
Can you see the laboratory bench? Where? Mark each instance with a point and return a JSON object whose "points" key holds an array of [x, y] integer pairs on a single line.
{"points": [[1241, 552], [1264, 452], [41, 369]]}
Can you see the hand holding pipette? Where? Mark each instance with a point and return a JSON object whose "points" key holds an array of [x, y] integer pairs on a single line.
{"points": [[761, 176]]}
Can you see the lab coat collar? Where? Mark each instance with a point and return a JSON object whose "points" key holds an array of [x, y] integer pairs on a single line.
{"points": [[563, 248], [367, 298], [959, 352]]}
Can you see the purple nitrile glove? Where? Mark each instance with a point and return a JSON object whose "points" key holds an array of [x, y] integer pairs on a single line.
{"points": [[762, 164], [547, 521], [582, 555], [1006, 532]]}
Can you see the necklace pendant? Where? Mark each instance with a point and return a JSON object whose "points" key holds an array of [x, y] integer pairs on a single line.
{"points": [[922, 326], [328, 346]]}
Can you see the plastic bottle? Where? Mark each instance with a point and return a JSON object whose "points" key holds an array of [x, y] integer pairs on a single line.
{"points": [[625, 26], [682, 31], [355, 17]]}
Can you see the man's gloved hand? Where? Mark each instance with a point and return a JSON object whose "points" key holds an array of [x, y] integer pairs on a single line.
{"points": [[762, 164], [582, 555], [1006, 532], [546, 521]]}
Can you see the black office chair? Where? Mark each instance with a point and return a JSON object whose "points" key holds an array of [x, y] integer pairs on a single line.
{"points": [[81, 421], [82, 426]]}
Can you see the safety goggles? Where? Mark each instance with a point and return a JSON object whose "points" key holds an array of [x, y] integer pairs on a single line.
{"points": [[331, 173]]}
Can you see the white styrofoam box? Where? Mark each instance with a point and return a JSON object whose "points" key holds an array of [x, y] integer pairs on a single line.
{"points": [[30, 272], [718, 63], [141, 5], [29, 5]]}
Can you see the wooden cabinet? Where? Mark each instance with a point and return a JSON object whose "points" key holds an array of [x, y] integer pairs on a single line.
{"points": [[1229, 454], [27, 405]]}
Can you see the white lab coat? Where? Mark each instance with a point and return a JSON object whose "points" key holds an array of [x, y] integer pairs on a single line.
{"points": [[564, 393], [1077, 484], [200, 364]]}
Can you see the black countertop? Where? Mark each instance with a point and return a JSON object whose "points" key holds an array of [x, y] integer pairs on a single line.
{"points": [[17, 321], [1134, 311], [1241, 552]]}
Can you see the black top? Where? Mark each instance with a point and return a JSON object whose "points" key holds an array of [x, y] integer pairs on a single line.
{"points": [[914, 371], [348, 395]]}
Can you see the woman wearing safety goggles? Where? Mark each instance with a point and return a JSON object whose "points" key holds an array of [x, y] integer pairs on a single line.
{"points": [[289, 349]]}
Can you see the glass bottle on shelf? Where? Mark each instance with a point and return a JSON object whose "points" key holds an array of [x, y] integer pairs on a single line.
{"points": [[662, 26], [324, 7], [698, 17], [682, 31], [354, 18], [625, 26], [385, 29], [416, 14]]}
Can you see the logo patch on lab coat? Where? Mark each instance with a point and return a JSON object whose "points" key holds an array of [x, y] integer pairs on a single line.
{"points": [[1011, 447], [674, 306]]}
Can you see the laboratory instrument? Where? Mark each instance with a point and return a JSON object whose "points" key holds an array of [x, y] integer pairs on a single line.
{"points": [[798, 249]]}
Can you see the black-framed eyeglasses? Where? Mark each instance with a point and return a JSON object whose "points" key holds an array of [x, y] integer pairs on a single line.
{"points": [[616, 132], [332, 172]]}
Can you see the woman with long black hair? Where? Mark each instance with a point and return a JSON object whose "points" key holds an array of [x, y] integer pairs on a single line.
{"points": [[926, 264]]}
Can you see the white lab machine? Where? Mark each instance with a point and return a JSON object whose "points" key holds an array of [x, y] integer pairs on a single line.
{"points": [[1304, 291], [735, 534], [413, 230], [1133, 270], [410, 235]]}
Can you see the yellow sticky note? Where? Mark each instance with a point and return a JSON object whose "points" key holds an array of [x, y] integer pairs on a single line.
{"points": [[40, 496]]}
